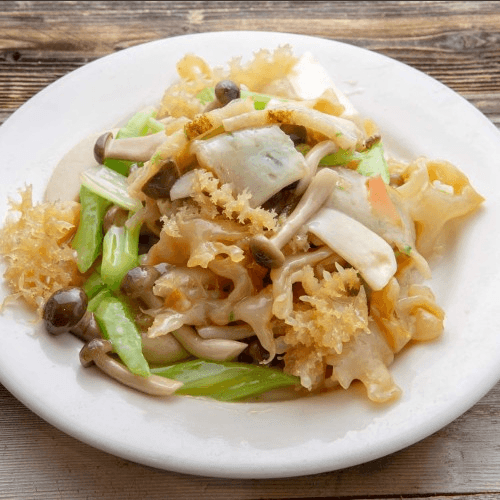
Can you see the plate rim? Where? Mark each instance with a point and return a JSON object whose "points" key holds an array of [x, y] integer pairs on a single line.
{"points": [[301, 467]]}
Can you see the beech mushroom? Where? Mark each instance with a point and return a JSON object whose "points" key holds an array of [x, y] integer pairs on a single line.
{"points": [[66, 311], [226, 91], [96, 351], [313, 158], [162, 350], [213, 349], [159, 185], [267, 251], [131, 148], [138, 284], [229, 332], [114, 216]]}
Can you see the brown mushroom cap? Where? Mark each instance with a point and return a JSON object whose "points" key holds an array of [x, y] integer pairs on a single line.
{"points": [[115, 216], [100, 147], [138, 284], [160, 184], [64, 309], [92, 350], [138, 280]]}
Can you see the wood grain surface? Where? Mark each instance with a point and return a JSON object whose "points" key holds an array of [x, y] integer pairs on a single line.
{"points": [[458, 43]]}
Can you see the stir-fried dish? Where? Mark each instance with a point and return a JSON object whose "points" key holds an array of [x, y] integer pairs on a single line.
{"points": [[249, 233]]}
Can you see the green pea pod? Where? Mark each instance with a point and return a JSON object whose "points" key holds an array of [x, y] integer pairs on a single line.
{"points": [[118, 326], [225, 381], [120, 253], [88, 238]]}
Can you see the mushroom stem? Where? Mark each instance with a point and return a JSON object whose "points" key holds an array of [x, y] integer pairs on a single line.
{"points": [[96, 351], [66, 312], [87, 328], [131, 148], [313, 158], [228, 332], [267, 251], [213, 349], [138, 284]]}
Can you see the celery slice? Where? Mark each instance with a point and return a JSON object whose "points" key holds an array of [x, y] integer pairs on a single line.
{"points": [[110, 185], [225, 381], [120, 253], [88, 238], [117, 325], [370, 163]]}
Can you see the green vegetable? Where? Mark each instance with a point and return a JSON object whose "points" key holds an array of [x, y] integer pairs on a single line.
{"points": [[117, 325], [259, 100], [225, 381], [139, 125], [370, 162], [154, 126], [94, 284], [88, 238], [96, 300], [206, 95], [120, 252], [110, 185], [340, 157]]}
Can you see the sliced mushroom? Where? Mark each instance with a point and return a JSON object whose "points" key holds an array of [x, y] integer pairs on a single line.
{"points": [[365, 250], [66, 312], [267, 251], [96, 351], [138, 284], [131, 148]]}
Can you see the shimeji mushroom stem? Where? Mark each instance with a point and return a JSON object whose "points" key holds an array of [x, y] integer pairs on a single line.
{"points": [[267, 251], [96, 351], [213, 349], [132, 148]]}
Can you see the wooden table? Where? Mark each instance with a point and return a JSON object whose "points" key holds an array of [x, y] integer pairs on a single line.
{"points": [[457, 43]]}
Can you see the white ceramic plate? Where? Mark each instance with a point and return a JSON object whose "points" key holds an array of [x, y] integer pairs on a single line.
{"points": [[440, 380]]}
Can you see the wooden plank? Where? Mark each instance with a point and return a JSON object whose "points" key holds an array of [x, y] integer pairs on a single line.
{"points": [[38, 459], [458, 46]]}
